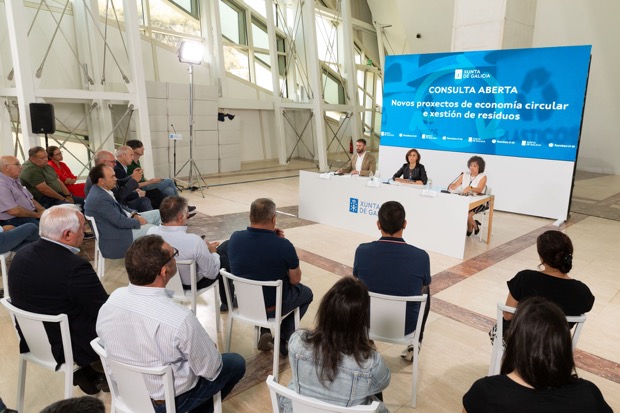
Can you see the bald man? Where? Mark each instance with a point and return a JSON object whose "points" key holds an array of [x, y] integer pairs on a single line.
{"points": [[17, 205]]}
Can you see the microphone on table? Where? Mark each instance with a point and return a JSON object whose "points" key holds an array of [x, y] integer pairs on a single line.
{"points": [[446, 191]]}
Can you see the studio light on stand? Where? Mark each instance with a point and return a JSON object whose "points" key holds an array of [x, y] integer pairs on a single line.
{"points": [[192, 53]]}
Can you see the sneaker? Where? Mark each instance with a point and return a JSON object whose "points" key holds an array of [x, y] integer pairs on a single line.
{"points": [[407, 353], [265, 342]]}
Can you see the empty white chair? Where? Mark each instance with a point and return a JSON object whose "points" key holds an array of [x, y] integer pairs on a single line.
{"points": [[185, 296], [129, 393], [251, 310], [33, 330], [5, 273], [498, 344], [303, 404], [387, 323], [99, 259]]}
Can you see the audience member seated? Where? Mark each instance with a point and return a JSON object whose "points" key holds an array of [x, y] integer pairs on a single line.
{"points": [[163, 332], [412, 171], [126, 188], [390, 266], [361, 163], [17, 205], [118, 225], [40, 179], [173, 229], [337, 362], [54, 156], [48, 277], [13, 238], [555, 250], [124, 157], [262, 253], [538, 372], [165, 185]]}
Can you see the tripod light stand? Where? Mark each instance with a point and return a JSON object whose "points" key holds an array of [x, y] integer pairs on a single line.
{"points": [[191, 53]]}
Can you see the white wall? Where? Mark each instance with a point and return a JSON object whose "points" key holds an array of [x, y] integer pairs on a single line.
{"points": [[574, 22]]}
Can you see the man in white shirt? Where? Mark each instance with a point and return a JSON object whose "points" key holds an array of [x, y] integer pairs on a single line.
{"points": [[141, 325], [361, 163], [174, 212]]}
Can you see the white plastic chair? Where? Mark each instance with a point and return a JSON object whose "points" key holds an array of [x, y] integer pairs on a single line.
{"points": [[33, 330], [251, 310], [99, 259], [5, 273], [387, 323], [303, 404], [129, 392], [185, 296], [498, 344]]}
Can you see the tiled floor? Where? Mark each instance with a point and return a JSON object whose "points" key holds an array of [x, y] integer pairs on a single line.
{"points": [[456, 348]]}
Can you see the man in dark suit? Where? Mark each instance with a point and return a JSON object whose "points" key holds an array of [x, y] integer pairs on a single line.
{"points": [[48, 277], [118, 225], [124, 156]]}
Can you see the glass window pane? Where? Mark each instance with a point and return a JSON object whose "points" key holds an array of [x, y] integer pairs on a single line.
{"points": [[168, 17], [263, 76], [187, 5], [236, 62], [259, 36], [258, 5], [233, 23], [333, 90], [264, 58]]}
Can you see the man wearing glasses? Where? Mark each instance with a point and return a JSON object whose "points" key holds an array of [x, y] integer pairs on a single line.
{"points": [[141, 325], [17, 205], [43, 183]]}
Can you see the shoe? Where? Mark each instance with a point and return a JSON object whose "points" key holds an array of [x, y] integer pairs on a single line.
{"points": [[191, 208], [284, 348], [265, 342], [191, 215], [407, 353], [477, 229], [235, 305], [102, 384], [86, 384], [468, 233], [89, 235], [223, 308], [1, 292]]}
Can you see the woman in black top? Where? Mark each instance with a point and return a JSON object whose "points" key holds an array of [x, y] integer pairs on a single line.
{"points": [[413, 171], [552, 282], [538, 370]]}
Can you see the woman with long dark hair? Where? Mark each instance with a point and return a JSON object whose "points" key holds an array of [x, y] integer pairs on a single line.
{"points": [[538, 370], [337, 362]]}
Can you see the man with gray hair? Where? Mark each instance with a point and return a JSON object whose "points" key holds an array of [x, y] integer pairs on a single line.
{"points": [[17, 206], [48, 277], [153, 197]]}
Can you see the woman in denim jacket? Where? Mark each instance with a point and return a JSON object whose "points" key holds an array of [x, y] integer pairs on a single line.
{"points": [[337, 362]]}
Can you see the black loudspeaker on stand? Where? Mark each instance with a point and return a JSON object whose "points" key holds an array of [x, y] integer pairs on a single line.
{"points": [[42, 119]]}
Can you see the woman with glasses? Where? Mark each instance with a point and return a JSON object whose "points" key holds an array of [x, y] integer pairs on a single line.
{"points": [[54, 154]]}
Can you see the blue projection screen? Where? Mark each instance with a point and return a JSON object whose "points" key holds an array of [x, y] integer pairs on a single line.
{"points": [[524, 103]]}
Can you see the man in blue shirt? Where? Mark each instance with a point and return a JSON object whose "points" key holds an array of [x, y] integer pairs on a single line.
{"points": [[262, 253], [390, 266]]}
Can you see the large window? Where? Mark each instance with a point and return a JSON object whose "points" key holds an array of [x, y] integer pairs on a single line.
{"points": [[246, 43]]}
